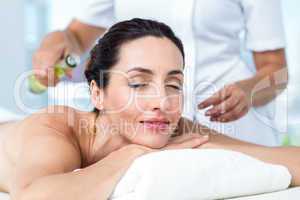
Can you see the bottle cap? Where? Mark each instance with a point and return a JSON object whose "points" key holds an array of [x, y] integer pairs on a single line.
{"points": [[72, 60]]}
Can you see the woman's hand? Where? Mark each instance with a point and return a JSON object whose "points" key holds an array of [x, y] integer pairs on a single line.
{"points": [[228, 104], [116, 163], [121, 159], [186, 141]]}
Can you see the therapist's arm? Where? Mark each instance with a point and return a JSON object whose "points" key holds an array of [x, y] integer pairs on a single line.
{"points": [[270, 79], [77, 38], [234, 100], [286, 156], [84, 34]]}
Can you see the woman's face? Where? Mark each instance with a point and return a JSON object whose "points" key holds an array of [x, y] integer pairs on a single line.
{"points": [[143, 99]]}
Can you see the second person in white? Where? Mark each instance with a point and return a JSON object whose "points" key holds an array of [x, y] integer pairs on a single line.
{"points": [[216, 75]]}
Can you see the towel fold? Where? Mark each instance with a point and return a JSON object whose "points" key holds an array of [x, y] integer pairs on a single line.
{"points": [[192, 174]]}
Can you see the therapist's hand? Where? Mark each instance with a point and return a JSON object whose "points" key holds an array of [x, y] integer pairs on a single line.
{"points": [[186, 141], [44, 60], [52, 50], [228, 104]]}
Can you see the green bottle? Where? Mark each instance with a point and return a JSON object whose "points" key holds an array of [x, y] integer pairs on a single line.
{"points": [[70, 61]]}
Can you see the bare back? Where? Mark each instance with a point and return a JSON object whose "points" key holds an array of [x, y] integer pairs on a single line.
{"points": [[7, 152], [58, 125]]}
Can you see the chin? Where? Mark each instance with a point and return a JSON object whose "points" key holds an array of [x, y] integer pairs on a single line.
{"points": [[156, 145], [153, 146], [152, 140]]}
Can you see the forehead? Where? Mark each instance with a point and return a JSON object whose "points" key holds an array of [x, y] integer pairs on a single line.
{"points": [[154, 53]]}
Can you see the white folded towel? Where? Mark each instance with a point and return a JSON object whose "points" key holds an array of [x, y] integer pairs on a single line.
{"points": [[194, 174]]}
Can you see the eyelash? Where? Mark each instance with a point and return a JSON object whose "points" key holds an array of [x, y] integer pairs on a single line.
{"points": [[175, 87], [139, 85]]}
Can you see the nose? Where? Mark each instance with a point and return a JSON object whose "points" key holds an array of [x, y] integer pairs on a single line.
{"points": [[160, 100]]}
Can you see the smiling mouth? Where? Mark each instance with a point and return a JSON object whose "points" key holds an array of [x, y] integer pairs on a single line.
{"points": [[156, 125]]}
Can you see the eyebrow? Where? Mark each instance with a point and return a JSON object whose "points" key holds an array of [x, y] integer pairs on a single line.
{"points": [[174, 72], [140, 69], [148, 71]]}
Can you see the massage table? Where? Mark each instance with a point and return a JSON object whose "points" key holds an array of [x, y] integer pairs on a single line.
{"points": [[289, 194]]}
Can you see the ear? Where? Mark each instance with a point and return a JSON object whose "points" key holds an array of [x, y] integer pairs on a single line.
{"points": [[97, 95]]}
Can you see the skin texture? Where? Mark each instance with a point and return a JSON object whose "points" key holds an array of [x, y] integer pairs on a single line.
{"points": [[146, 88], [44, 149]]}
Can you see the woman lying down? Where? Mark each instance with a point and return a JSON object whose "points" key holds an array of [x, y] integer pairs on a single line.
{"points": [[135, 77]]}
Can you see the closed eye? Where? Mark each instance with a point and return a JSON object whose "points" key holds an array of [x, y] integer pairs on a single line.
{"points": [[137, 85], [177, 87]]}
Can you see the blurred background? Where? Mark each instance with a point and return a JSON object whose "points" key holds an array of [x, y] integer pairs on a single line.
{"points": [[25, 22]]}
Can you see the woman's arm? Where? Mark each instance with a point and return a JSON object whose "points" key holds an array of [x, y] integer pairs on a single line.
{"points": [[286, 156], [46, 164], [48, 158]]}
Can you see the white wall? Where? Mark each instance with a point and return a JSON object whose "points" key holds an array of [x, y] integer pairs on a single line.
{"points": [[291, 16], [62, 12], [12, 49]]}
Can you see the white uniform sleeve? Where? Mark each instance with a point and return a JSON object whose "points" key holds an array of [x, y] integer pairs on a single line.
{"points": [[98, 13], [264, 26]]}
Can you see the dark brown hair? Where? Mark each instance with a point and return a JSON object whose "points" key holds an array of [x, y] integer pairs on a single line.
{"points": [[105, 54]]}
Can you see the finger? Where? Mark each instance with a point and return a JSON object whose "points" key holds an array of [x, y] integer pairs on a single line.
{"points": [[40, 73], [191, 143], [47, 77], [126, 155], [41, 76], [57, 54], [210, 101], [234, 114], [51, 59], [215, 99], [223, 107], [183, 138], [69, 72], [51, 79], [136, 150], [214, 118], [47, 58]]}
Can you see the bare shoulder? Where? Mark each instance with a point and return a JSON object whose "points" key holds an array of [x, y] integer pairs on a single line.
{"points": [[62, 122], [39, 136], [46, 146], [57, 121], [60, 118]]}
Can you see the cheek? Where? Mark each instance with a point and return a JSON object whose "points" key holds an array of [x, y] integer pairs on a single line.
{"points": [[175, 105], [121, 106], [118, 100]]}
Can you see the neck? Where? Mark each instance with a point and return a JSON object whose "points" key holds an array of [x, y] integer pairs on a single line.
{"points": [[103, 141]]}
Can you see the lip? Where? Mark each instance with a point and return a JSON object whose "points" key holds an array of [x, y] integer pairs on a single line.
{"points": [[156, 124]]}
